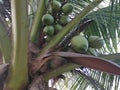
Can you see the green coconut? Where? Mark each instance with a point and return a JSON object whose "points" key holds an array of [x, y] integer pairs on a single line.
{"points": [[47, 19], [65, 20], [96, 42], [67, 8], [49, 30], [56, 5], [58, 27], [79, 43]]}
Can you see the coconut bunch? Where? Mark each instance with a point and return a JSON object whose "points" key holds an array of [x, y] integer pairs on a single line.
{"points": [[81, 44], [56, 17]]}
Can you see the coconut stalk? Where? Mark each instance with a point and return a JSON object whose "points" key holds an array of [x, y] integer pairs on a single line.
{"points": [[18, 75], [37, 23]]}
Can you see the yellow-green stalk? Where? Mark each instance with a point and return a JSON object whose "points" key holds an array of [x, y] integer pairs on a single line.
{"points": [[37, 23], [18, 75]]}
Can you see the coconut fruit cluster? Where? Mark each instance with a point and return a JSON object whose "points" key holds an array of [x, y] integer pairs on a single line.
{"points": [[81, 44], [56, 17]]}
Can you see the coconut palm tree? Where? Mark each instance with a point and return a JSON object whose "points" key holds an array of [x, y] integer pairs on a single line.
{"points": [[32, 55]]}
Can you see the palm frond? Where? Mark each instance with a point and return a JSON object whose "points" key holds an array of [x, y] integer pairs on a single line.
{"points": [[95, 80], [106, 25], [106, 80]]}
